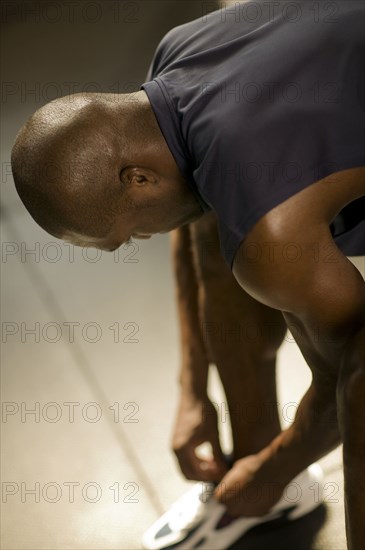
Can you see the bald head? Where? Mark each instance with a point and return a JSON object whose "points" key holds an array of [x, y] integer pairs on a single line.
{"points": [[96, 169], [67, 161]]}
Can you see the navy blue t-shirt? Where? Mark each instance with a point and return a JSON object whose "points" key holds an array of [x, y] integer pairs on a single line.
{"points": [[259, 100]]}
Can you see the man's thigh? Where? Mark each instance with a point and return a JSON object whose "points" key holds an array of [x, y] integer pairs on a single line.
{"points": [[245, 323]]}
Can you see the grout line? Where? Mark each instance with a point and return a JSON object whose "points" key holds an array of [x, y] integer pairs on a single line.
{"points": [[47, 296]]}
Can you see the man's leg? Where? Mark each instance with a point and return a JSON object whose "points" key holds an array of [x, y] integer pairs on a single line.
{"points": [[242, 337], [351, 414]]}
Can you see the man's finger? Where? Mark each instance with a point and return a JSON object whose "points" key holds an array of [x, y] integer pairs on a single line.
{"points": [[226, 491], [219, 460], [196, 468]]}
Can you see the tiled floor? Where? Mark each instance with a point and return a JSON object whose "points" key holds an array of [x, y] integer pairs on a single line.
{"points": [[90, 344]]}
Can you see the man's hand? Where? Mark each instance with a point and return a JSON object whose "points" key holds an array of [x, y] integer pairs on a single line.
{"points": [[250, 488], [196, 423]]}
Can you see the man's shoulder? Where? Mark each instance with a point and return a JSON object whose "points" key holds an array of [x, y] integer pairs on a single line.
{"points": [[282, 252]]}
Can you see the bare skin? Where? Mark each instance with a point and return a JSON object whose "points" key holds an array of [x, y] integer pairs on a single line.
{"points": [[325, 300], [221, 324]]}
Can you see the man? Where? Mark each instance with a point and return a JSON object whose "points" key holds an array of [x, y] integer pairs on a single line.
{"points": [[256, 123]]}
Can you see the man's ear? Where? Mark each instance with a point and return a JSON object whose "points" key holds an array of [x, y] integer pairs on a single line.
{"points": [[134, 175]]}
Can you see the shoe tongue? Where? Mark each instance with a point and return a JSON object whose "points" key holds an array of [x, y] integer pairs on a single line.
{"points": [[189, 512], [187, 519]]}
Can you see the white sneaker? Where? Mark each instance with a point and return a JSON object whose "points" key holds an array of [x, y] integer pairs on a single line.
{"points": [[197, 520]]}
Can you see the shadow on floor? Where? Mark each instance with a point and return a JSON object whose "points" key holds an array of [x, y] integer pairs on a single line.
{"points": [[283, 535]]}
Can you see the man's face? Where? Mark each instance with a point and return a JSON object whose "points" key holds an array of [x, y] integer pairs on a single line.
{"points": [[109, 243], [166, 213], [141, 224]]}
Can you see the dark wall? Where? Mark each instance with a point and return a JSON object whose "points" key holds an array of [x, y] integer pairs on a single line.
{"points": [[50, 49]]}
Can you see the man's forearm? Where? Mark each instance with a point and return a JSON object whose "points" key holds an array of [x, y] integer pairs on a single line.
{"points": [[313, 434], [315, 430], [196, 420], [195, 363]]}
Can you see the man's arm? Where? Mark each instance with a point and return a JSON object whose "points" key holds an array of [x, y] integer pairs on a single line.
{"points": [[196, 420], [302, 272], [195, 363]]}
